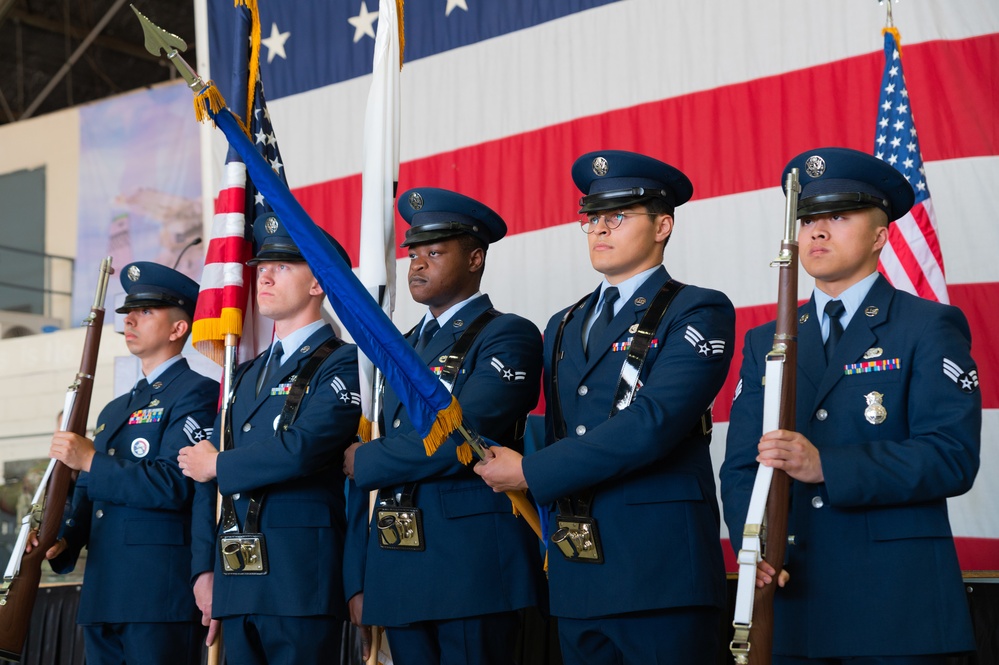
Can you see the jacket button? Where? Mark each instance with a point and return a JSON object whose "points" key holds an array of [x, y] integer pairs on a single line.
{"points": [[582, 390], [817, 502], [111, 452], [821, 414], [580, 430], [247, 427], [99, 514], [396, 423]]}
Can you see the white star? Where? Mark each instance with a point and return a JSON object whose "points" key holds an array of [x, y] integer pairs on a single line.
{"points": [[883, 122], [912, 130], [907, 164], [261, 137], [966, 383], [905, 93], [921, 186], [277, 165], [890, 89], [894, 55], [895, 142], [893, 159], [911, 146], [451, 4], [886, 106], [880, 155], [275, 43], [903, 108], [881, 139], [271, 139], [893, 71], [363, 23], [258, 199], [899, 125]]}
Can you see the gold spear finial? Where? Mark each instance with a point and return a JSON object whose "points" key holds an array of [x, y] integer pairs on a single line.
{"points": [[159, 40]]}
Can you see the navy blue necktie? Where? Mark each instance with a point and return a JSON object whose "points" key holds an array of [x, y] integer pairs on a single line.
{"points": [[429, 330], [834, 309], [273, 367], [604, 318], [137, 391]]}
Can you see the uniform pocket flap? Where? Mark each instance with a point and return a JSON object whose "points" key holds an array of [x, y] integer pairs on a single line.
{"points": [[896, 523], [155, 532], [663, 487], [466, 501], [278, 514]]}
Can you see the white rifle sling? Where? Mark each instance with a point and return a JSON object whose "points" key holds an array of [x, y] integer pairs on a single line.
{"points": [[752, 536]]}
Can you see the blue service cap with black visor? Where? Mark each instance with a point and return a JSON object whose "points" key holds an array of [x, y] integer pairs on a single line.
{"points": [[436, 214], [272, 242], [841, 179], [613, 179], [149, 284]]}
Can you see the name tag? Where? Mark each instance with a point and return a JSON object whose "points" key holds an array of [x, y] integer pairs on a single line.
{"points": [[143, 416], [885, 365]]}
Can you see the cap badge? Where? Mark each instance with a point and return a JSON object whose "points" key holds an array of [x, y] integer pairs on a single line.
{"points": [[304, 349], [815, 166], [803, 318], [155, 402], [873, 352], [458, 323], [415, 201], [157, 385], [875, 413], [640, 301], [271, 225], [633, 329], [442, 359], [871, 311], [134, 273], [600, 166]]}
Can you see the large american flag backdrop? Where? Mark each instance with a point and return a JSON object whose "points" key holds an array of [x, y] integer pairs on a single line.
{"points": [[498, 99]]}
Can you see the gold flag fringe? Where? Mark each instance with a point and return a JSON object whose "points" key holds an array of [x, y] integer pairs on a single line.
{"points": [[898, 38], [208, 335], [208, 102], [364, 429], [402, 32], [446, 423]]}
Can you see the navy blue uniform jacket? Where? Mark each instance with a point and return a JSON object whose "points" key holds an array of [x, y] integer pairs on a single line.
{"points": [[300, 471], [479, 557], [873, 570], [132, 511], [655, 503]]}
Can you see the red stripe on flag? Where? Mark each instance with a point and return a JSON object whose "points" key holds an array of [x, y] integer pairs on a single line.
{"points": [[755, 126], [230, 200], [909, 263], [926, 226]]}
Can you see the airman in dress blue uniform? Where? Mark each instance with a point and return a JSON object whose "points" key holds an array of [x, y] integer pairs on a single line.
{"points": [[889, 424], [454, 598], [132, 506], [271, 570], [634, 560]]}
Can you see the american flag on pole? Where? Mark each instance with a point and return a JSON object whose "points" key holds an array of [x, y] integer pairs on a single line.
{"points": [[226, 305], [912, 260]]}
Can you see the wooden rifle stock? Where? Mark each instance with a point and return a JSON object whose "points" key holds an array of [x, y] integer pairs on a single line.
{"points": [[778, 500], [18, 593]]}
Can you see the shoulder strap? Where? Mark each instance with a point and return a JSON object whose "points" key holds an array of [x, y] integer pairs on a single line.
{"points": [[558, 420], [460, 349], [627, 384]]}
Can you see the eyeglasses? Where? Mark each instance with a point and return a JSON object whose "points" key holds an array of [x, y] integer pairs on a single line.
{"points": [[611, 220]]}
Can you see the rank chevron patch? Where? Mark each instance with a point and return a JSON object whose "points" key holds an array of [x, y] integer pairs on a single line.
{"points": [[344, 395], [196, 432], [507, 373], [705, 347], [966, 381]]}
